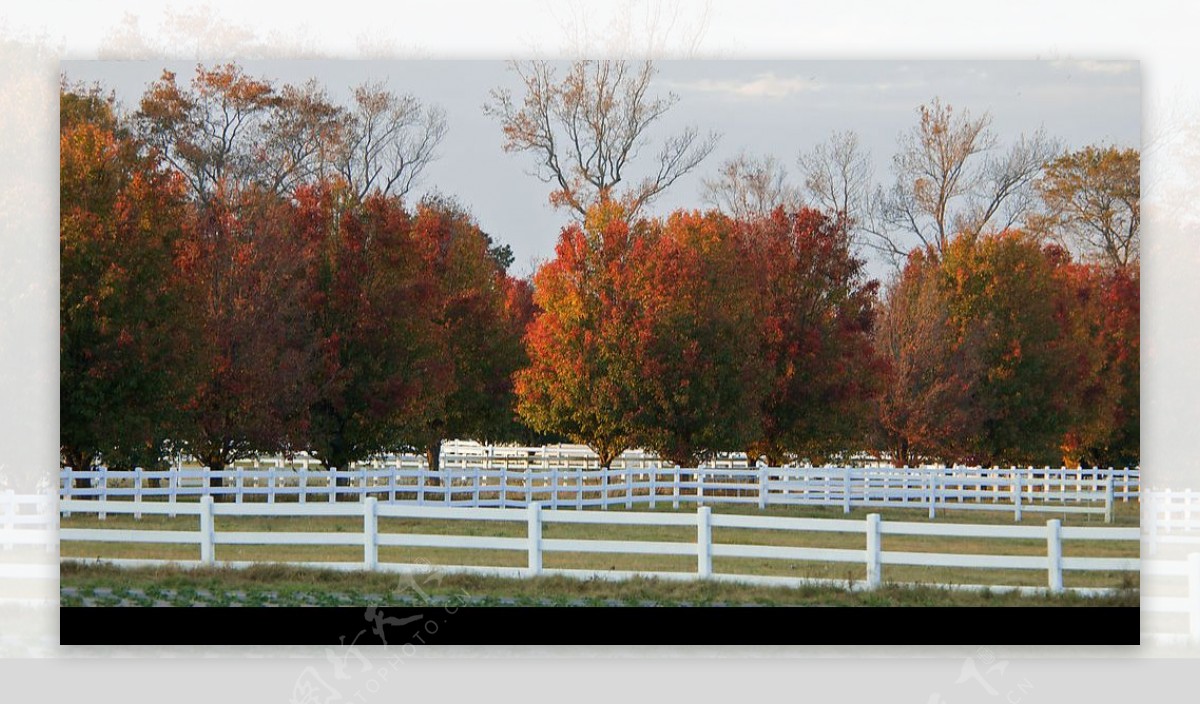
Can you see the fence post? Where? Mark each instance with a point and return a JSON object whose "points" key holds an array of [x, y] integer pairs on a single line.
{"points": [[699, 486], [628, 488], [704, 541], [207, 531], [103, 494], [137, 493], [534, 511], [675, 488], [932, 493], [1016, 494], [271, 486], [653, 486], [503, 486], [68, 481], [370, 533], [1108, 500], [420, 485], [9, 502], [874, 551], [1193, 573], [240, 483], [1149, 520], [846, 490], [65, 492], [762, 488], [1054, 554]]}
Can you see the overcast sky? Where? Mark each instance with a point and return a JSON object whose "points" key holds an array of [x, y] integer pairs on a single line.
{"points": [[764, 107]]}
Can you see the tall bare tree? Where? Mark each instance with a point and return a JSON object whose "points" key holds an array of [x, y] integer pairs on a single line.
{"points": [[301, 137], [387, 141], [837, 176], [948, 179], [210, 131], [230, 130], [1093, 203], [588, 127], [747, 187]]}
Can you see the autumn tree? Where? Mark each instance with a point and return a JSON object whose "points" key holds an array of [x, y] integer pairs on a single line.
{"points": [[377, 361], [580, 378], [247, 332], [229, 128], [746, 186], [479, 316], [211, 132], [587, 130], [1104, 308], [814, 322], [697, 383], [1010, 288], [930, 372], [950, 178], [121, 218], [1092, 201], [984, 364]]}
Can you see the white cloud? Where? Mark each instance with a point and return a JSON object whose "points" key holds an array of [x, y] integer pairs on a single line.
{"points": [[1094, 66], [764, 85]]}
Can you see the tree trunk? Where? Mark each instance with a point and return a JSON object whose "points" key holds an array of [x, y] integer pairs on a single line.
{"points": [[344, 482], [433, 458], [80, 461], [216, 482], [903, 458]]}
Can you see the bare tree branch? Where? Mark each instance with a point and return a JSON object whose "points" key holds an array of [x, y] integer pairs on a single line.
{"points": [[747, 187], [588, 128]]}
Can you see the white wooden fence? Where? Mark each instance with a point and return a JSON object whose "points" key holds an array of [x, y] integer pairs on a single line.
{"points": [[1171, 583], [28, 543], [1019, 490], [535, 516]]}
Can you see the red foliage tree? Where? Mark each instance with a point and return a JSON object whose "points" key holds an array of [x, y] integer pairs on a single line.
{"points": [[121, 299], [378, 362], [580, 378], [479, 318], [1104, 303], [984, 364], [697, 383], [816, 318], [247, 332]]}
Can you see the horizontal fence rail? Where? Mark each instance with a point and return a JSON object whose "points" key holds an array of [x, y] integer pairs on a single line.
{"points": [[1016, 490], [536, 515]]}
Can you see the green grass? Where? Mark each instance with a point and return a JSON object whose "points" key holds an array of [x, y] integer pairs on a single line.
{"points": [[1125, 516], [289, 585]]}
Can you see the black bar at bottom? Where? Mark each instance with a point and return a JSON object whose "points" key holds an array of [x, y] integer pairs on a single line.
{"points": [[396, 626]]}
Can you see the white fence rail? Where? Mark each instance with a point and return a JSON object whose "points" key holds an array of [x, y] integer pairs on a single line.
{"points": [[1019, 490], [535, 516], [1171, 582]]}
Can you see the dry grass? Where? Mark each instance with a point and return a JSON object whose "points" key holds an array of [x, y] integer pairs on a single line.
{"points": [[279, 584]]}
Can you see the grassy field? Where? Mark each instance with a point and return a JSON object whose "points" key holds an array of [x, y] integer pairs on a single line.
{"points": [[277, 585], [1126, 515]]}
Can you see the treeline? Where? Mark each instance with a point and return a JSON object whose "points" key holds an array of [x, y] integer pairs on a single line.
{"points": [[241, 275], [210, 306]]}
